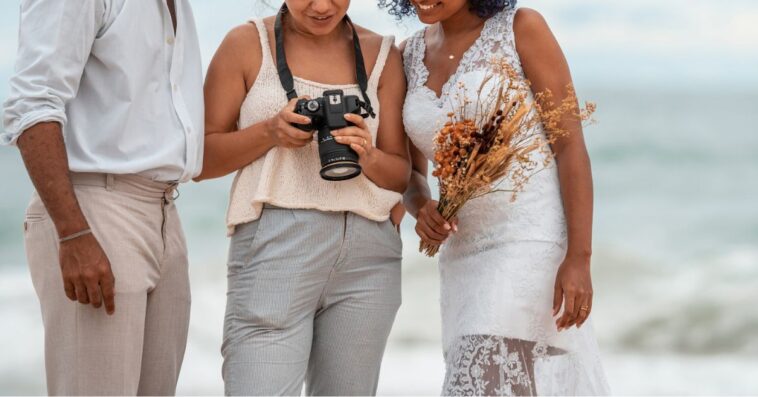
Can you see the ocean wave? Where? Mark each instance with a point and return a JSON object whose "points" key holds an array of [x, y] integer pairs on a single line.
{"points": [[706, 306]]}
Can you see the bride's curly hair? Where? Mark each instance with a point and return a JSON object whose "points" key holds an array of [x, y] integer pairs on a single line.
{"points": [[483, 8]]}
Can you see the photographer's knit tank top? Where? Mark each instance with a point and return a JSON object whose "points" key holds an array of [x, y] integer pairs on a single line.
{"points": [[289, 178]]}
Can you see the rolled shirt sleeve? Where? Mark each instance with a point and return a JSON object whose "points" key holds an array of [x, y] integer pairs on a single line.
{"points": [[55, 40]]}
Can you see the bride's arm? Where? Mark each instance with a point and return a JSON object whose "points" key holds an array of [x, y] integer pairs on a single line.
{"points": [[430, 225], [418, 193], [546, 68]]}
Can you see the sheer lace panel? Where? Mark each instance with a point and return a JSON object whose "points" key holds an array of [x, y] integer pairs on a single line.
{"points": [[487, 365]]}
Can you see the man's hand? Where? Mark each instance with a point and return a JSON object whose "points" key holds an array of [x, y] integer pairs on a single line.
{"points": [[87, 274]]}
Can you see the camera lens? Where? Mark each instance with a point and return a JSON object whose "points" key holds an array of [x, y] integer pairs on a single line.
{"points": [[338, 162], [340, 171]]}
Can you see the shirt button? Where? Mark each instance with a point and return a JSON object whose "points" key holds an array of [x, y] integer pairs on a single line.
{"points": [[170, 41], [174, 87]]}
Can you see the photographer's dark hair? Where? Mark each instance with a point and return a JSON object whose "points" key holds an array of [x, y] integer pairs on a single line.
{"points": [[483, 8]]}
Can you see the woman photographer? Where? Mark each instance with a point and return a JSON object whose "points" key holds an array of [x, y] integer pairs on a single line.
{"points": [[314, 264]]}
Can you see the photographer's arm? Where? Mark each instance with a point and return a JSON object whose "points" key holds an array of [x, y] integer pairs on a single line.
{"points": [[228, 148], [387, 164]]}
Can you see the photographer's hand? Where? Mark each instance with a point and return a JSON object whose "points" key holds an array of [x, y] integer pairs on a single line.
{"points": [[359, 138], [281, 132]]}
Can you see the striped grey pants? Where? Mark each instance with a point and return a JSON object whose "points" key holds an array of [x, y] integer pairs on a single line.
{"points": [[311, 299]]}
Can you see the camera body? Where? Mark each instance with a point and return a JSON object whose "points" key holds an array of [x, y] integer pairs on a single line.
{"points": [[338, 162]]}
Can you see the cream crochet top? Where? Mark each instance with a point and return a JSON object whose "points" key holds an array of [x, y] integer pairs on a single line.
{"points": [[289, 178]]}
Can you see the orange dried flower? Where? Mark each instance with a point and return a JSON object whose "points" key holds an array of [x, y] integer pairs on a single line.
{"points": [[475, 152]]}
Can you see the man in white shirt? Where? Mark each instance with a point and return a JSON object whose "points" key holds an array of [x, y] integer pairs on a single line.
{"points": [[106, 107]]}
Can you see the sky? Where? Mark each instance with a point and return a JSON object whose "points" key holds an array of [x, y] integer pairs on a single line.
{"points": [[653, 44]]}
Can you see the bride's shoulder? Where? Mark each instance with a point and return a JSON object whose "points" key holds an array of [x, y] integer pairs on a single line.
{"points": [[532, 35], [529, 24]]}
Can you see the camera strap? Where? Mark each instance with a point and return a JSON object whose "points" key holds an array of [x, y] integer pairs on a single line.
{"points": [[285, 74]]}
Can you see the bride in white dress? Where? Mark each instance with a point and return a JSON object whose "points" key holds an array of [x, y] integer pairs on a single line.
{"points": [[516, 290]]}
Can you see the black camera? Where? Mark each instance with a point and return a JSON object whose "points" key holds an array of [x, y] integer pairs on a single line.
{"points": [[338, 162]]}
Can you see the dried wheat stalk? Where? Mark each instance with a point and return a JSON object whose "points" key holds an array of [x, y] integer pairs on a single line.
{"points": [[475, 152]]}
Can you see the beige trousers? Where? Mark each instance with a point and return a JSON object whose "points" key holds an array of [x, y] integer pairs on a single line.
{"points": [[138, 350]]}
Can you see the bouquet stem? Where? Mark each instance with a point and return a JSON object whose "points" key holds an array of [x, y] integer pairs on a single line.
{"points": [[429, 250], [504, 134], [448, 211]]}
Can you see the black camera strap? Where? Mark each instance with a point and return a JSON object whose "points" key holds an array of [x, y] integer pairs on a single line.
{"points": [[285, 74]]}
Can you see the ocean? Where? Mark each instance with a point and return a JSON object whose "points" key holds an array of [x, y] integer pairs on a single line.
{"points": [[674, 267]]}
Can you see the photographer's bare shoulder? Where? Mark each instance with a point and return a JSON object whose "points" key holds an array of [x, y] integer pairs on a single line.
{"points": [[240, 53], [371, 43]]}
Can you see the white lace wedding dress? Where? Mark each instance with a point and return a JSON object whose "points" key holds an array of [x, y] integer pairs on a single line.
{"points": [[498, 271]]}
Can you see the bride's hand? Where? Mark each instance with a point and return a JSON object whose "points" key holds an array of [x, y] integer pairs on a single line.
{"points": [[431, 226], [573, 289]]}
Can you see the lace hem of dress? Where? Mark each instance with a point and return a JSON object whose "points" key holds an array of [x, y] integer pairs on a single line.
{"points": [[488, 365]]}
